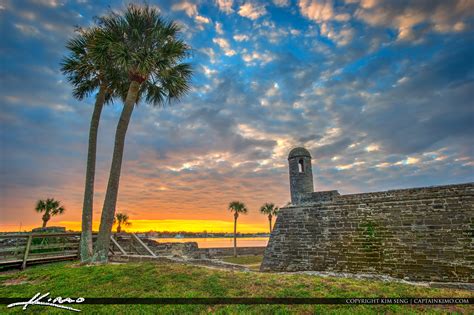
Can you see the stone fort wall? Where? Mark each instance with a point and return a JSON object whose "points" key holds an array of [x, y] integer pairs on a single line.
{"points": [[417, 234]]}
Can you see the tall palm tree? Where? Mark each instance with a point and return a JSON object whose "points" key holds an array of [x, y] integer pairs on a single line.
{"points": [[139, 42], [49, 208], [270, 210], [236, 207], [121, 219], [87, 76]]}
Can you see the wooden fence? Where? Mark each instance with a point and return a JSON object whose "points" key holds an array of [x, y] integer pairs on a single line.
{"points": [[20, 250], [34, 248]]}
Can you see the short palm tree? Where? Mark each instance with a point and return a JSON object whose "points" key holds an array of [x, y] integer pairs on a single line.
{"points": [[87, 76], [49, 208], [237, 208], [270, 210], [140, 43], [121, 219]]}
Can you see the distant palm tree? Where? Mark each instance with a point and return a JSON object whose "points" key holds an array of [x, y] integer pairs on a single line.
{"points": [[140, 43], [121, 219], [49, 208], [87, 76], [237, 207], [270, 210]]}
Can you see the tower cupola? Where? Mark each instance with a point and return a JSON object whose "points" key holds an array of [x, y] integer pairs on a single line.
{"points": [[301, 174]]}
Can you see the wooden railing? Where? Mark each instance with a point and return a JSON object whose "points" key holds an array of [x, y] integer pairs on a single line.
{"points": [[20, 250], [129, 244], [33, 248]]}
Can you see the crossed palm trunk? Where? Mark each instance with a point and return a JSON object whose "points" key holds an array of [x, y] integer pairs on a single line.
{"points": [[87, 75], [108, 211]]}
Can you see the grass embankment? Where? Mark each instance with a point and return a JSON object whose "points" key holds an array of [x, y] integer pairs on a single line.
{"points": [[253, 262], [178, 280]]}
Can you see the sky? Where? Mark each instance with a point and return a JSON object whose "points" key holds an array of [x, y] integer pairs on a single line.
{"points": [[380, 92]]}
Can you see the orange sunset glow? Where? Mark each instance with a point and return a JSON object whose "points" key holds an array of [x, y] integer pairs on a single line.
{"points": [[185, 200], [180, 225], [215, 226]]}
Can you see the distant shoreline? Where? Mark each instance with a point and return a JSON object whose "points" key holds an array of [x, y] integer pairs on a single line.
{"points": [[217, 242], [220, 236], [169, 235]]}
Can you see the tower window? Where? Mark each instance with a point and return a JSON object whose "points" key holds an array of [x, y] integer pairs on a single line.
{"points": [[300, 166]]}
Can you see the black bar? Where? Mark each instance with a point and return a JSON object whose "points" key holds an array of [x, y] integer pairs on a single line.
{"points": [[256, 301]]}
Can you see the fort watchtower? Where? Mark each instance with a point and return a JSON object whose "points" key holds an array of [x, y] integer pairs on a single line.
{"points": [[301, 174]]}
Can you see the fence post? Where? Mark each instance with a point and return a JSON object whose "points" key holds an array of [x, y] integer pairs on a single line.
{"points": [[27, 250]]}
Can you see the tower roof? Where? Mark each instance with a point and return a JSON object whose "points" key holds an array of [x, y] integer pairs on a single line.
{"points": [[299, 152]]}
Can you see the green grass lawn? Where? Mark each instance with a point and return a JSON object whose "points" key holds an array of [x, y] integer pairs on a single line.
{"points": [[179, 280]]}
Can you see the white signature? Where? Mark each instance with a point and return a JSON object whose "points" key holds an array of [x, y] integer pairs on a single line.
{"points": [[56, 302]]}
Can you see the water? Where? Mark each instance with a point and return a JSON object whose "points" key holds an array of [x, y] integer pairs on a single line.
{"points": [[219, 242]]}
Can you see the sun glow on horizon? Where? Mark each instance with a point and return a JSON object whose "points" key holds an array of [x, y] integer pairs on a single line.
{"points": [[211, 226]]}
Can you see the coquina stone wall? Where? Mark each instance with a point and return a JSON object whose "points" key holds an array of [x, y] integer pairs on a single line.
{"points": [[191, 250], [417, 234]]}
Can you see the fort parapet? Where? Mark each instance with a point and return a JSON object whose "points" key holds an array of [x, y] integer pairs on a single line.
{"points": [[424, 234]]}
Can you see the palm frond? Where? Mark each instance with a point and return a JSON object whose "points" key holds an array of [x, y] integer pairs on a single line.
{"points": [[49, 206], [87, 67], [140, 43], [268, 208], [237, 207], [122, 218], [40, 206]]}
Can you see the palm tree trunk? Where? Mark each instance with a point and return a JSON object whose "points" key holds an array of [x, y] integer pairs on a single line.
{"points": [[270, 221], [45, 219], [235, 236], [108, 211], [119, 228], [86, 234]]}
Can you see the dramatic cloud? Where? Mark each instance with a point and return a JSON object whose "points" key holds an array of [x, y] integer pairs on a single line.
{"points": [[225, 5], [241, 37], [219, 29], [380, 92], [188, 7], [202, 19], [411, 20], [250, 57], [252, 10], [191, 10], [224, 44], [318, 11]]}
